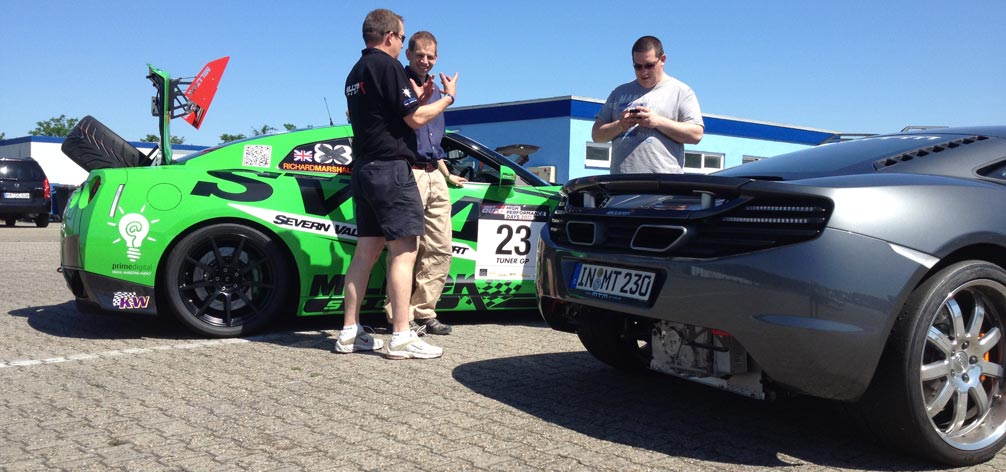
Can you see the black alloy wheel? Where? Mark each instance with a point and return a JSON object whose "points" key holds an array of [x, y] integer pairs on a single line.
{"points": [[227, 280]]}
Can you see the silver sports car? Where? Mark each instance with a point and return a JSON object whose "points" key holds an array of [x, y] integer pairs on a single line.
{"points": [[868, 271]]}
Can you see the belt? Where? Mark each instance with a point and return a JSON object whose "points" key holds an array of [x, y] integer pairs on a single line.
{"points": [[427, 166]]}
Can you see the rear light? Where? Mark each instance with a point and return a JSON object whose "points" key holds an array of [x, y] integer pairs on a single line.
{"points": [[94, 188], [46, 190]]}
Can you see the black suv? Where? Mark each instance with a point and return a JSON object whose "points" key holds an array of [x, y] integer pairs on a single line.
{"points": [[24, 192]]}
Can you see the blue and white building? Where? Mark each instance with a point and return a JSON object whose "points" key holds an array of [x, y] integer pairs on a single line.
{"points": [[561, 127]]}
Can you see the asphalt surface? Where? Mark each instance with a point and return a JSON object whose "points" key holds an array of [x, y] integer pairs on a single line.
{"points": [[105, 392]]}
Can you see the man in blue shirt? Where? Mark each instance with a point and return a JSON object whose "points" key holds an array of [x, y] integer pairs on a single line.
{"points": [[433, 259]]}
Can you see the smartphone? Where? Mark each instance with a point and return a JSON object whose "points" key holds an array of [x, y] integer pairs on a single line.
{"points": [[634, 110]]}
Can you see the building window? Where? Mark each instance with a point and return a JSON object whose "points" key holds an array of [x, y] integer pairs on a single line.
{"points": [[746, 159], [598, 155], [703, 162]]}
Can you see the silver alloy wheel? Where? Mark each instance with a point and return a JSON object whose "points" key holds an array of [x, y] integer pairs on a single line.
{"points": [[962, 373]]}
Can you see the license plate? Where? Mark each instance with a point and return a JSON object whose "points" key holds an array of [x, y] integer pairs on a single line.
{"points": [[16, 195], [615, 281]]}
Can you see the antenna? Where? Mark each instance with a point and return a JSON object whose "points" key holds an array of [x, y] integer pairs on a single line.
{"points": [[330, 122]]}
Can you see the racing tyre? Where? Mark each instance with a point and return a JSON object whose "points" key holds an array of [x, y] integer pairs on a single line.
{"points": [[10, 221], [42, 220], [93, 146], [227, 280], [938, 392], [618, 340]]}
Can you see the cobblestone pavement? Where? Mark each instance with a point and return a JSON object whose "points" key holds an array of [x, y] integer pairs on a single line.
{"points": [[99, 392]]}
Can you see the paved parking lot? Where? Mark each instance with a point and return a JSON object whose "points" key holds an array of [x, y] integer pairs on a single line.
{"points": [[99, 392]]}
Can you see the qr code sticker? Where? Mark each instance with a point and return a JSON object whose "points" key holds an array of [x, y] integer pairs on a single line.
{"points": [[257, 156]]}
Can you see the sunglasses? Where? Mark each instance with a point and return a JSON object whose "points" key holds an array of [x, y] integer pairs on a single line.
{"points": [[649, 66], [400, 36]]}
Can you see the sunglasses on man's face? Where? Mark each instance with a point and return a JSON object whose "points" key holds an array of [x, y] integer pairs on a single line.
{"points": [[648, 66]]}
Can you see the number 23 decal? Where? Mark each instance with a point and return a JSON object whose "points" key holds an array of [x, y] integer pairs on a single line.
{"points": [[522, 244]]}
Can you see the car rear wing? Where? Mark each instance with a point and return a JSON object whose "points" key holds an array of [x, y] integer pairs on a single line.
{"points": [[191, 104]]}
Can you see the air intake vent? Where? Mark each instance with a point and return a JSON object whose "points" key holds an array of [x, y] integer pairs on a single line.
{"points": [[926, 151], [656, 238], [585, 233]]}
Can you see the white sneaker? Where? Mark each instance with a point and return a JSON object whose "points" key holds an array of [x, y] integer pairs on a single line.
{"points": [[363, 341], [414, 348]]}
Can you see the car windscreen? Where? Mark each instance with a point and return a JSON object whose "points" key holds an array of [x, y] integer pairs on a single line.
{"points": [[21, 171], [849, 157]]}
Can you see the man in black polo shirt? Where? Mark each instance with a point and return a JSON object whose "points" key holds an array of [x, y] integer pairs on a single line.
{"points": [[385, 108]]}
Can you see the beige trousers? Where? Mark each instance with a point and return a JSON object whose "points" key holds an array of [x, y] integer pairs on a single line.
{"points": [[433, 259]]}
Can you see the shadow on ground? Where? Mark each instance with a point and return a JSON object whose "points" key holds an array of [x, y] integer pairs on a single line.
{"points": [[65, 320], [676, 417], [318, 332]]}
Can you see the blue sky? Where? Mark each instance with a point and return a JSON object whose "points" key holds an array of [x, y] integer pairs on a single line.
{"points": [[852, 66]]}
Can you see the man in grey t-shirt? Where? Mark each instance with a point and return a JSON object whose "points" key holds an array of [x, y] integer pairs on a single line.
{"points": [[650, 119]]}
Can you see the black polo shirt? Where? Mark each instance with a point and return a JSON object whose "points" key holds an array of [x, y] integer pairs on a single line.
{"points": [[379, 95]]}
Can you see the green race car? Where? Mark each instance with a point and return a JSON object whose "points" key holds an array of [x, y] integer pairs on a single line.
{"points": [[229, 238]]}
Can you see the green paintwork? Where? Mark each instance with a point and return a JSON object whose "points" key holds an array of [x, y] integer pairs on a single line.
{"points": [[256, 182]]}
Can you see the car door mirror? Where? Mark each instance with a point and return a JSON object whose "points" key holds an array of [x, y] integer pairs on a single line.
{"points": [[507, 176]]}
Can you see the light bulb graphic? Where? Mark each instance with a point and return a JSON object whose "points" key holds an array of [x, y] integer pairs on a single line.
{"points": [[134, 228]]}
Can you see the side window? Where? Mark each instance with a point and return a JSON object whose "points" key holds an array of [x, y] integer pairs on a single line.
{"points": [[703, 162], [598, 155], [461, 161]]}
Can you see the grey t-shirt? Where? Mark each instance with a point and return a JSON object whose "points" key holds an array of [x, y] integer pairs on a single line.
{"points": [[646, 150]]}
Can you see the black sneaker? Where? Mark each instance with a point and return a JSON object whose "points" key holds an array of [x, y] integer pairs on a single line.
{"points": [[434, 326]]}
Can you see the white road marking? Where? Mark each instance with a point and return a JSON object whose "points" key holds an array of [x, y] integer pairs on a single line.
{"points": [[118, 353], [145, 350]]}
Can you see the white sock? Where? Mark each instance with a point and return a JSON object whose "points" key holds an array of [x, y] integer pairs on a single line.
{"points": [[349, 332], [399, 337]]}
